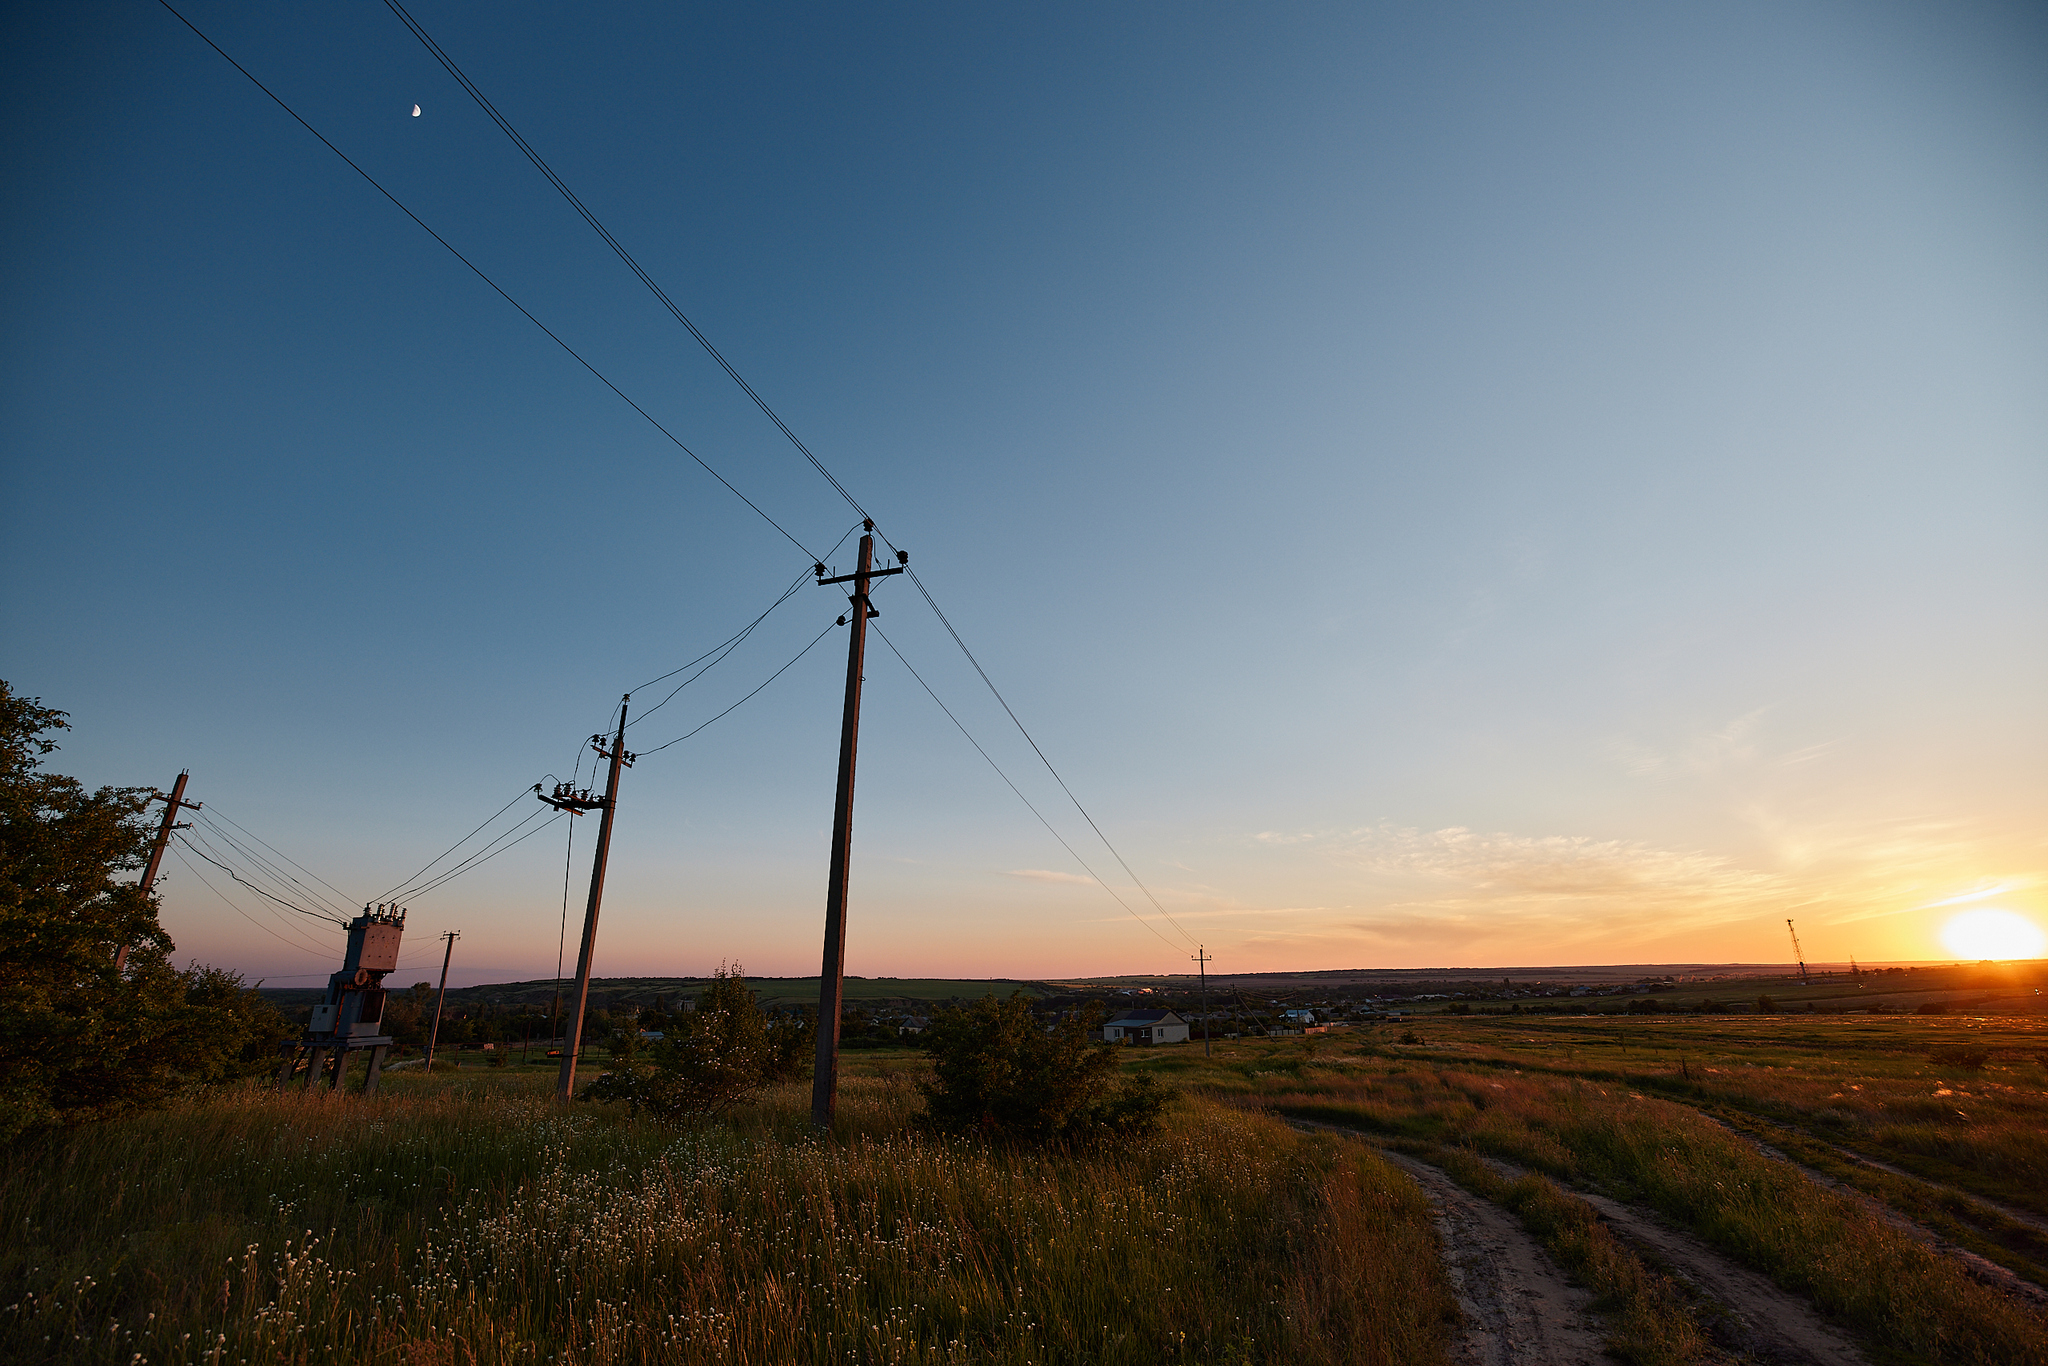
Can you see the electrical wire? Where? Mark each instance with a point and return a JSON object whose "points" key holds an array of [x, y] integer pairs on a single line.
{"points": [[295, 945], [317, 915], [386, 895], [478, 272], [484, 103], [750, 696], [266, 868], [346, 898], [1020, 795], [482, 856], [204, 847], [625, 256], [934, 605], [722, 651]]}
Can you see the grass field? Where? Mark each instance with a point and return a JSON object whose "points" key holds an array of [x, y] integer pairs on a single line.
{"points": [[462, 1217], [1638, 1108], [466, 1219]]}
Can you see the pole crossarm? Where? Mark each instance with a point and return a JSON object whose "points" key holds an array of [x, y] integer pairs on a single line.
{"points": [[569, 799]]}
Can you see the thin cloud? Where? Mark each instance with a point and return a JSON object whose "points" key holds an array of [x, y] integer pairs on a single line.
{"points": [[1048, 875]]}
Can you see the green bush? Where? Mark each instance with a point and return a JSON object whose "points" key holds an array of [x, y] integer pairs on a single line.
{"points": [[714, 1058], [999, 1073]]}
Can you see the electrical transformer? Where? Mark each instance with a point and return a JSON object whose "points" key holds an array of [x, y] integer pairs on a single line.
{"points": [[350, 1017]]}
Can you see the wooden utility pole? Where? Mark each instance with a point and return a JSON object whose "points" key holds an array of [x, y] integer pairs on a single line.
{"points": [[1202, 965], [172, 804], [435, 1037], [831, 977], [563, 799]]}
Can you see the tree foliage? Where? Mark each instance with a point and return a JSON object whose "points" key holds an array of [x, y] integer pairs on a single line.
{"points": [[80, 1038], [709, 1059], [999, 1073]]}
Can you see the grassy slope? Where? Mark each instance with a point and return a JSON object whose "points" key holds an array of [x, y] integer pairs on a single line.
{"points": [[1560, 1103], [466, 1219]]}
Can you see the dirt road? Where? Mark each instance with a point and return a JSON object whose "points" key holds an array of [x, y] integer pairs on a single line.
{"points": [[1519, 1308]]}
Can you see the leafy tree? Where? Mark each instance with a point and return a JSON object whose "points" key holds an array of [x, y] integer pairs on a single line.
{"points": [[999, 1073], [80, 1038], [717, 1056]]}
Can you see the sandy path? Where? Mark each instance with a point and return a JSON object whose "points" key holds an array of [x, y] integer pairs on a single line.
{"points": [[1763, 1322], [1519, 1308]]}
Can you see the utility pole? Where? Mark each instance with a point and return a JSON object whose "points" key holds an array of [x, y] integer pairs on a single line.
{"points": [[433, 1038], [172, 804], [566, 800], [1202, 961], [1799, 954], [831, 977]]}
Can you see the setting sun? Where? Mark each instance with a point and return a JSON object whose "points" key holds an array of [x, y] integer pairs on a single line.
{"points": [[1993, 934]]}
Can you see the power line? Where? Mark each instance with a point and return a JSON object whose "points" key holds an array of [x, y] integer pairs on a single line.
{"points": [[386, 894], [934, 605], [573, 352], [752, 695], [286, 857], [722, 651], [282, 939], [484, 103], [205, 849], [268, 869], [317, 915], [482, 856], [1020, 795], [625, 256]]}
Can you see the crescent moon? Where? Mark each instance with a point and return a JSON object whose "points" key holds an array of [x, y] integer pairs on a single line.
{"points": [[415, 111]]}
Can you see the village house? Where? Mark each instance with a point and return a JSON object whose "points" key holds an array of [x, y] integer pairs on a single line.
{"points": [[1145, 1026]]}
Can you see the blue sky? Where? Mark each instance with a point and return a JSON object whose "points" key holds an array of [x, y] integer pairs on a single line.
{"points": [[1446, 485]]}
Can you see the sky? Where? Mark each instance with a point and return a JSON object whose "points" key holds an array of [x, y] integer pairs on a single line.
{"points": [[1450, 485]]}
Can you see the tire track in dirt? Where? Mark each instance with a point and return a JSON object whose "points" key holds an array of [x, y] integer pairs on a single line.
{"points": [[1765, 1323], [1519, 1308], [1762, 1322], [1980, 1268]]}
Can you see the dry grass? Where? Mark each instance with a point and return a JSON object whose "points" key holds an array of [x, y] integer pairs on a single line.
{"points": [[472, 1221], [1652, 1322], [1879, 1282]]}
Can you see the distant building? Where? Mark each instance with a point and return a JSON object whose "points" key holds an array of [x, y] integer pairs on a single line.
{"points": [[1145, 1026], [1298, 1018]]}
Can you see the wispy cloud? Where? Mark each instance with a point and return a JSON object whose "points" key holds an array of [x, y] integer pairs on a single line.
{"points": [[1048, 875]]}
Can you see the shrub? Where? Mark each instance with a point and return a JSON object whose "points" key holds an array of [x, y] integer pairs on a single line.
{"points": [[721, 1054], [997, 1072], [1969, 1056]]}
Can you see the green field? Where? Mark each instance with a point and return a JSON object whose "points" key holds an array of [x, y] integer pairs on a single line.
{"points": [[463, 1217], [644, 991]]}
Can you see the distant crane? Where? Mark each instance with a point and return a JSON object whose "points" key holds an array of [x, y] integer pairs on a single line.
{"points": [[1799, 954], [1855, 971]]}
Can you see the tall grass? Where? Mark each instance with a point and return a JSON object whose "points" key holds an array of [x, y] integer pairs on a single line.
{"points": [[1874, 1278], [451, 1221]]}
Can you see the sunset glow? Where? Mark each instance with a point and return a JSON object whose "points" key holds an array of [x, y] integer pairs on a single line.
{"points": [[1993, 933]]}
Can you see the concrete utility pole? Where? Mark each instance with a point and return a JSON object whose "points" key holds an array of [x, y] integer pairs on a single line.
{"points": [[435, 1037], [172, 804], [831, 977], [565, 1088], [1202, 961]]}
